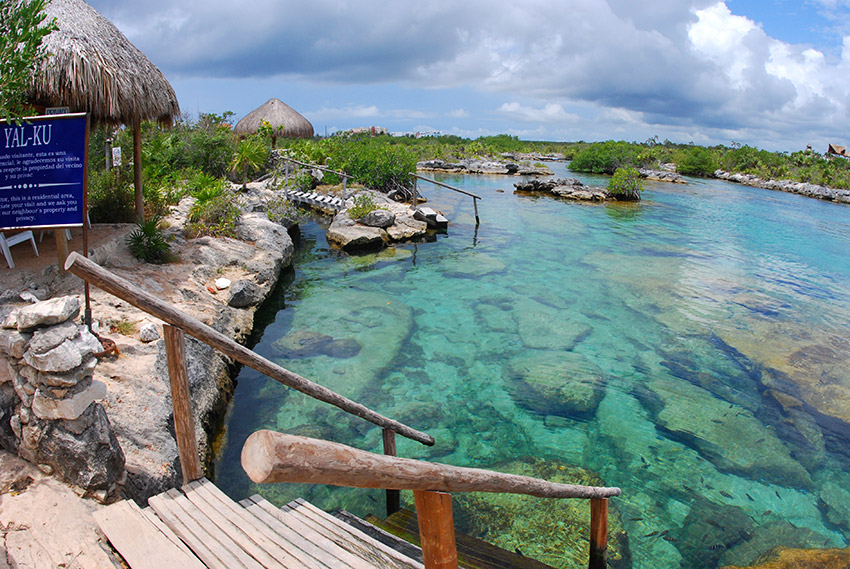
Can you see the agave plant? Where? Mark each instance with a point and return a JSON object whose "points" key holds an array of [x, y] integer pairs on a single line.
{"points": [[147, 242]]}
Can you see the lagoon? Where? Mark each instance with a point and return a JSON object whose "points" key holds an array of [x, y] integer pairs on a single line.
{"points": [[691, 349]]}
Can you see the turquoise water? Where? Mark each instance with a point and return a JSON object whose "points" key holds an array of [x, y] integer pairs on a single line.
{"points": [[691, 349]]}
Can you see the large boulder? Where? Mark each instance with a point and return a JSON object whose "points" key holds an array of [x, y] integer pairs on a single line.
{"points": [[556, 383]]}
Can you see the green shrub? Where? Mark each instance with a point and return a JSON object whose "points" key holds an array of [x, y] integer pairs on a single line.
{"points": [[147, 242], [281, 210], [604, 157], [215, 216], [696, 161], [363, 205], [111, 196], [250, 156], [626, 184]]}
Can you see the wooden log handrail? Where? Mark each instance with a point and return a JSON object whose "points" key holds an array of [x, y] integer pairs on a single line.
{"points": [[269, 456], [474, 197], [93, 273], [447, 186]]}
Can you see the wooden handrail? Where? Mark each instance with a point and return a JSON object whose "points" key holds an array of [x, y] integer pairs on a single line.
{"points": [[470, 194], [95, 274], [474, 197], [268, 456]]}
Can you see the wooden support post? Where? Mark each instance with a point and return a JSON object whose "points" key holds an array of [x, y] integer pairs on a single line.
{"points": [[61, 247], [344, 190], [475, 205], [598, 532], [436, 529], [415, 190], [393, 496], [184, 423], [137, 169]]}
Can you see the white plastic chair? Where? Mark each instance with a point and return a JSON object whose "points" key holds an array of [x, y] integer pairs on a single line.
{"points": [[6, 242]]}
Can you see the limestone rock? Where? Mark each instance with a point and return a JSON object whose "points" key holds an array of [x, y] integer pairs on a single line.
{"points": [[537, 328], [244, 293], [63, 357], [69, 378], [46, 339], [709, 530], [787, 558], [83, 452], [7, 372], [406, 228], [306, 344], [148, 332], [556, 383], [349, 236], [222, 283], [378, 218], [48, 313], [13, 343], [87, 343], [71, 407]]}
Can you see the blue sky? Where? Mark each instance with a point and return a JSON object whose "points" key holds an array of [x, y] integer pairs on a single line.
{"points": [[770, 73]]}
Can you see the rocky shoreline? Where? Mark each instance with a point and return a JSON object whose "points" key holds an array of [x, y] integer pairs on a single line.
{"points": [[478, 166], [567, 188], [801, 188]]}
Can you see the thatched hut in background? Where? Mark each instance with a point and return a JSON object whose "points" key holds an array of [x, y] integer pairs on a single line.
{"points": [[92, 67], [284, 120]]}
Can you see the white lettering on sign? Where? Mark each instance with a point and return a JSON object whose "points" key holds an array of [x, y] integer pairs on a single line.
{"points": [[23, 136]]}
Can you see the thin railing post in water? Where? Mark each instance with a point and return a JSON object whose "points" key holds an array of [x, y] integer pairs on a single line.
{"points": [[393, 496], [184, 423], [598, 533], [436, 529], [475, 205]]}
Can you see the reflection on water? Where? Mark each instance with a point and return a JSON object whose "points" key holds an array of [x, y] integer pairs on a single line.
{"points": [[691, 349]]}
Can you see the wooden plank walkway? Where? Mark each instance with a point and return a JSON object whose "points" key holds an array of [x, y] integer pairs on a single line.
{"points": [[314, 198], [199, 526]]}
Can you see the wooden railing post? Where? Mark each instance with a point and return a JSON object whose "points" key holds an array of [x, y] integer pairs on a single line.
{"points": [[393, 496], [184, 423], [475, 205], [436, 529], [598, 532]]}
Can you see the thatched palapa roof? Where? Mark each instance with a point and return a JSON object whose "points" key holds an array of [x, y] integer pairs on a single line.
{"points": [[277, 114], [93, 67]]}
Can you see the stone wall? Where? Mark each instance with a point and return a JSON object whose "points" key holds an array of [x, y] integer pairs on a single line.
{"points": [[49, 410]]}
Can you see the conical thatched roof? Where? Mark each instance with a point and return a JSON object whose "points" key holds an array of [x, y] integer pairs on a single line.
{"points": [[93, 67], [277, 114]]}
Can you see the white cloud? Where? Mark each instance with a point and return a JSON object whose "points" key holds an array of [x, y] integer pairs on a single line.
{"points": [[678, 66], [551, 112]]}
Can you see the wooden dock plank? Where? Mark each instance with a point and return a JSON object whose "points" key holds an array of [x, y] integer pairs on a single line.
{"points": [[210, 551], [249, 540], [140, 542], [163, 527], [332, 554], [344, 534], [299, 555]]}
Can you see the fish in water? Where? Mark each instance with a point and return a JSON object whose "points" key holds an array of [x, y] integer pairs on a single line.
{"points": [[777, 494], [716, 546], [725, 494], [643, 460], [718, 421], [715, 524], [635, 519], [518, 552], [650, 534], [670, 539], [751, 498]]}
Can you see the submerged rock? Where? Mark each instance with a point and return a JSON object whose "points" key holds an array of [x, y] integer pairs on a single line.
{"points": [[538, 329], [729, 436], [307, 344], [556, 383], [786, 558], [709, 530], [548, 530]]}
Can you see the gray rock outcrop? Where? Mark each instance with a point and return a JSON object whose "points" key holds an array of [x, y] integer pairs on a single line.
{"points": [[802, 188], [479, 166], [355, 235], [567, 188], [54, 417]]}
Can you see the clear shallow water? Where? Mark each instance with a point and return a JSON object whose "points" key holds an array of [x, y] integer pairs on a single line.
{"points": [[691, 349]]}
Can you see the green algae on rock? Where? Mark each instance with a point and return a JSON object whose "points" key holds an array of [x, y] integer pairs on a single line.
{"points": [[549, 530]]}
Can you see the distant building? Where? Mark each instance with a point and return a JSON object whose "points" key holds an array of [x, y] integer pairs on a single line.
{"points": [[837, 150], [373, 130]]}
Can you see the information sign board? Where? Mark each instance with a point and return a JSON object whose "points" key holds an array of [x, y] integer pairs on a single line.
{"points": [[43, 163]]}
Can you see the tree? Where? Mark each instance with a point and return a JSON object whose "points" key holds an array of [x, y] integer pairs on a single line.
{"points": [[22, 29], [626, 184]]}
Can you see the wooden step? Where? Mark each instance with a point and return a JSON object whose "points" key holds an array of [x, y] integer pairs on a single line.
{"points": [[199, 526], [473, 553]]}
